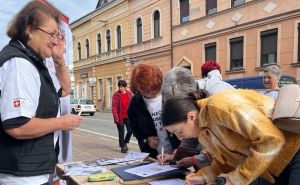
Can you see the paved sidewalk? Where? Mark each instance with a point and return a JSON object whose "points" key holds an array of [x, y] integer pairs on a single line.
{"points": [[88, 146]]}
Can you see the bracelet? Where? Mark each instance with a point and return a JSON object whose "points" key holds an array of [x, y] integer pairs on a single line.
{"points": [[60, 65]]}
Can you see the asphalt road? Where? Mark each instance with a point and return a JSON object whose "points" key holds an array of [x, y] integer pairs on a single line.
{"points": [[101, 124], [97, 137]]}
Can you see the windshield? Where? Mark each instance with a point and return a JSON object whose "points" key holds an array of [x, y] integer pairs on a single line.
{"points": [[86, 102]]}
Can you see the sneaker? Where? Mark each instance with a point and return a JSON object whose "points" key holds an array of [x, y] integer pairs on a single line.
{"points": [[126, 147], [123, 150]]}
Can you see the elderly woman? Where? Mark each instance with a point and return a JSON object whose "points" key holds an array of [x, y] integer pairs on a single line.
{"points": [[178, 81], [145, 109], [29, 102], [235, 129], [272, 75]]}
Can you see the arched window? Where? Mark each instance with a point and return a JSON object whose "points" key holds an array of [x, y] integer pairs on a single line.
{"points": [[119, 37], [139, 30], [99, 43], [156, 18], [79, 50], [87, 45], [108, 42]]}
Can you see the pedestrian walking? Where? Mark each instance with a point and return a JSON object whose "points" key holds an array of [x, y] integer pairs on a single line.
{"points": [[120, 103]]}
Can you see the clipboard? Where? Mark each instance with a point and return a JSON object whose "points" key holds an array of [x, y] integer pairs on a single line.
{"points": [[120, 171]]}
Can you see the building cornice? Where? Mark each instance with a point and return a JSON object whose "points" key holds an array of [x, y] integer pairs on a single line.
{"points": [[240, 27]]}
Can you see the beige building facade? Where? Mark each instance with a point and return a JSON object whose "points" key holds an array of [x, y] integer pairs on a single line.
{"points": [[100, 44], [244, 36]]}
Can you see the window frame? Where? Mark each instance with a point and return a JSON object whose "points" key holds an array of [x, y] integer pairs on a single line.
{"points": [[139, 30], [184, 11], [235, 41], [208, 46], [213, 9], [99, 43], [79, 50], [87, 47], [156, 24], [108, 40], [263, 36]]}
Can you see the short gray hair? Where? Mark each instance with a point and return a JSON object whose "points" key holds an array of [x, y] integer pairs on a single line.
{"points": [[274, 70], [178, 80]]}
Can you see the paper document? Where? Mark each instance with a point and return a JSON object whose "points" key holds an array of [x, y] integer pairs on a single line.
{"points": [[150, 169], [81, 169], [131, 157], [168, 182]]}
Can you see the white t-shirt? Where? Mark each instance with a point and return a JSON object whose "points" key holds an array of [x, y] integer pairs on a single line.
{"points": [[19, 99], [154, 108]]}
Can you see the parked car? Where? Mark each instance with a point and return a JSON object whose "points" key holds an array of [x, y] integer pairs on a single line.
{"points": [[256, 82], [85, 106]]}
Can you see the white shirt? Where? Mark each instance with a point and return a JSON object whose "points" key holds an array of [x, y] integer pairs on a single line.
{"points": [[154, 108], [272, 94], [213, 83], [20, 90]]}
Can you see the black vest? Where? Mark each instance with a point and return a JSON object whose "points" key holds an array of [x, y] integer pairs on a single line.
{"points": [[30, 157]]}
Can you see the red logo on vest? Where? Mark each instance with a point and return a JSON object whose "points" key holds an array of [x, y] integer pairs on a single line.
{"points": [[17, 103]]}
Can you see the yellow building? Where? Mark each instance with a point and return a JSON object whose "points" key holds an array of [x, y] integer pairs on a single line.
{"points": [[100, 47], [244, 36]]}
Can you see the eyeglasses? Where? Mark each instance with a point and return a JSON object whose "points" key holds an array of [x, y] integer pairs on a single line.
{"points": [[55, 36]]}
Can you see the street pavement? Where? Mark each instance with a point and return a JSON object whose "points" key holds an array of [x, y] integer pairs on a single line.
{"points": [[97, 138]]}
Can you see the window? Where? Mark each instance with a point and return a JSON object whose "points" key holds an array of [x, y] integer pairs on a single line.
{"points": [[139, 30], [298, 43], [108, 42], [110, 92], [79, 50], [87, 45], [119, 37], [156, 24], [211, 6], [237, 2], [268, 47], [99, 43], [101, 92], [184, 11], [210, 51], [236, 53]]}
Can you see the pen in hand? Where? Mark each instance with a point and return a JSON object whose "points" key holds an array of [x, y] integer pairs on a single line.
{"points": [[162, 155]]}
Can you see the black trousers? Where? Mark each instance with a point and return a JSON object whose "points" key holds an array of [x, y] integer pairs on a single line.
{"points": [[121, 131], [289, 176]]}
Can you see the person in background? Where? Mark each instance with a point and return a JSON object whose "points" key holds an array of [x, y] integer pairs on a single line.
{"points": [[272, 75], [145, 109], [29, 102], [212, 79], [120, 102], [178, 81], [236, 132]]}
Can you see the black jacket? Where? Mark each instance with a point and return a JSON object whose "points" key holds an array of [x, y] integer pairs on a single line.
{"points": [[142, 125], [30, 157]]}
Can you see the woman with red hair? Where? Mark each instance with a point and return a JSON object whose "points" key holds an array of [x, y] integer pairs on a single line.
{"points": [[145, 109], [212, 79]]}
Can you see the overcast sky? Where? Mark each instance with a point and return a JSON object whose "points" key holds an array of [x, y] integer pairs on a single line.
{"points": [[74, 9]]}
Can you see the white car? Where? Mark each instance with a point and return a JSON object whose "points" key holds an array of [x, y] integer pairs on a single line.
{"points": [[83, 106]]}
